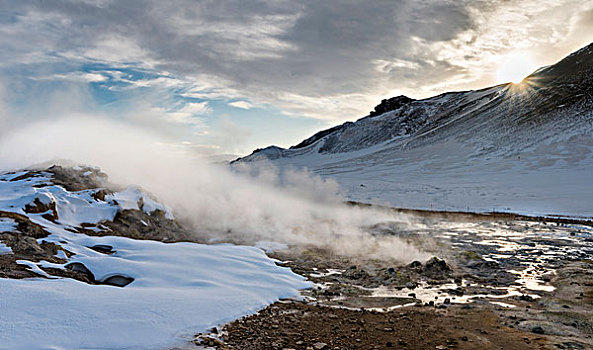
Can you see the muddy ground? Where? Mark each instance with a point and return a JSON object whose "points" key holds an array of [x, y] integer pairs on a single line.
{"points": [[492, 284]]}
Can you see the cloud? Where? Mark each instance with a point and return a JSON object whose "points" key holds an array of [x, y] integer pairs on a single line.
{"points": [[81, 77], [195, 108], [241, 104], [327, 60], [189, 113]]}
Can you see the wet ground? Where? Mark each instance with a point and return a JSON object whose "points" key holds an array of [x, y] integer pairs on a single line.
{"points": [[500, 284]]}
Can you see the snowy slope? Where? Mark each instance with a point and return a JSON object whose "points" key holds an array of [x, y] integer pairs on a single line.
{"points": [[514, 147], [173, 290]]}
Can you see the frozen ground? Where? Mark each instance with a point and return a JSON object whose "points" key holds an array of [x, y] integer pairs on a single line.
{"points": [[445, 177], [176, 289]]}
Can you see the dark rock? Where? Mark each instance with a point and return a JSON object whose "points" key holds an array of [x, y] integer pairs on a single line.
{"points": [[526, 297], [117, 280], [81, 269], [38, 207], [436, 268], [75, 179], [356, 273], [100, 195], [537, 330], [390, 104], [103, 248]]}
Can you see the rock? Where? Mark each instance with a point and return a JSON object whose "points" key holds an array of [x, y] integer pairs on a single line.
{"points": [[390, 104], [415, 265], [210, 341], [411, 285], [79, 267], [117, 280], [356, 273], [47, 205], [537, 330], [320, 346], [436, 268], [526, 297], [103, 248], [100, 195]]}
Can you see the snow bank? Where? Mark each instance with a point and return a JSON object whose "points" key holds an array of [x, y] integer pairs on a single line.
{"points": [[73, 208], [178, 289]]}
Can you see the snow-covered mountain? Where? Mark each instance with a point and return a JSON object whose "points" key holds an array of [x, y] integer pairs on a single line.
{"points": [[521, 147]]}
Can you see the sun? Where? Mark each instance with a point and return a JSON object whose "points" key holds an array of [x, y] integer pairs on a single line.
{"points": [[514, 68]]}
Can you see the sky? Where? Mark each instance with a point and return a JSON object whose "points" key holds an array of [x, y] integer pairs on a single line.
{"points": [[229, 76]]}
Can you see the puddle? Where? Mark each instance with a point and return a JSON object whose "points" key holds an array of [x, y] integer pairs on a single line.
{"points": [[513, 260]]}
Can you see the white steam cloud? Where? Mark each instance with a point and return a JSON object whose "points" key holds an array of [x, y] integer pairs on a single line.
{"points": [[293, 207]]}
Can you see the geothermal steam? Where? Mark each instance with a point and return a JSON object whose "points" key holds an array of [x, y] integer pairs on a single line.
{"points": [[291, 206]]}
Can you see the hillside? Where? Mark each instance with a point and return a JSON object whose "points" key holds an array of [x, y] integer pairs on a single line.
{"points": [[512, 147]]}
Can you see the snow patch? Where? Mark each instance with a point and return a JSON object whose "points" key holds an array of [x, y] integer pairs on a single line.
{"points": [[179, 289], [7, 225], [133, 198], [5, 249]]}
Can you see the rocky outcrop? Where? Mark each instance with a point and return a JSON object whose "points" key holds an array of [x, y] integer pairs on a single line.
{"points": [[390, 104]]}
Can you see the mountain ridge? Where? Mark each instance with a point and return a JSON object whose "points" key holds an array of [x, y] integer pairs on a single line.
{"points": [[526, 148], [409, 117]]}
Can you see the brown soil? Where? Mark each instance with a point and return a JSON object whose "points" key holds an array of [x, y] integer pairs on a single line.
{"points": [[295, 325]]}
